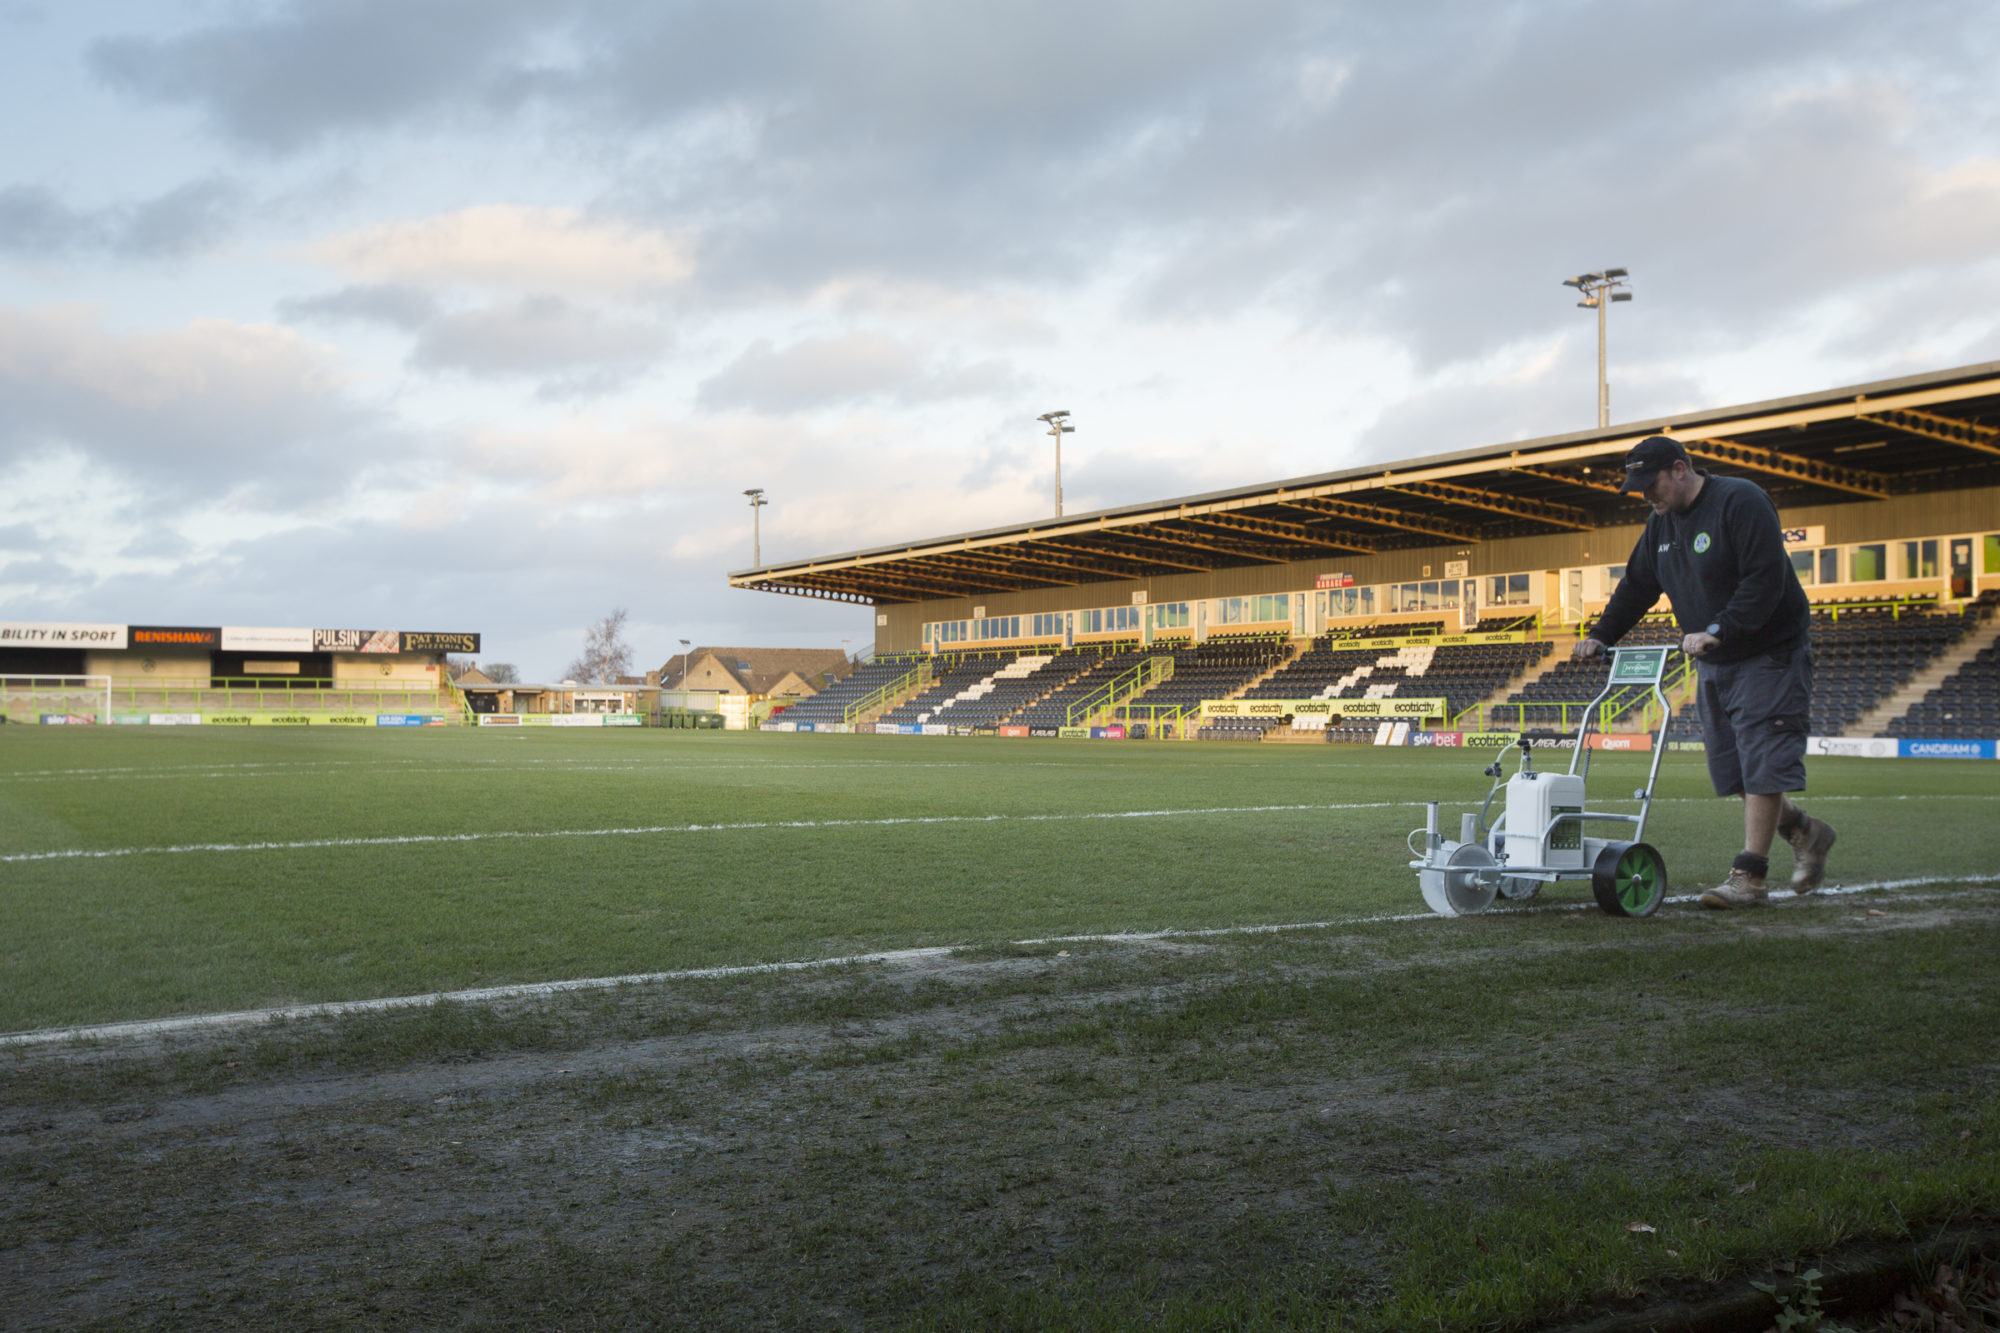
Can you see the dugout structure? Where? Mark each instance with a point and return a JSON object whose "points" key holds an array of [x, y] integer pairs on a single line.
{"points": [[1889, 489]]}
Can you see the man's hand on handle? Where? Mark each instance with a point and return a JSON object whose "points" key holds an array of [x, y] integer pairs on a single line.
{"points": [[1587, 647], [1697, 643]]}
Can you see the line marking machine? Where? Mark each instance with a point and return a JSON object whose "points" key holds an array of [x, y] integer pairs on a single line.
{"points": [[1539, 838]]}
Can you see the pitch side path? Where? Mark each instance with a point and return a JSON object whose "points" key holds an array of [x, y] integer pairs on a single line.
{"points": [[149, 875]]}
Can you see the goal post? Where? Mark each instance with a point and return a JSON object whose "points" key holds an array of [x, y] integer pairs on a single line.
{"points": [[47, 698]]}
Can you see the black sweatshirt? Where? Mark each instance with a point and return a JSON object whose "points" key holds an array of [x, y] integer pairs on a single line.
{"points": [[1722, 563]]}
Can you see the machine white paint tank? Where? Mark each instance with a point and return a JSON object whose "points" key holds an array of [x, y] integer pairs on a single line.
{"points": [[1532, 800]]}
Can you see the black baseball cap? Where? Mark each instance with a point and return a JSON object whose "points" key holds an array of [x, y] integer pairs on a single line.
{"points": [[1655, 453]]}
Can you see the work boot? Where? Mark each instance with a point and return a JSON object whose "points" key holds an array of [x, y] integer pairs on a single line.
{"points": [[1811, 839], [1741, 889]]}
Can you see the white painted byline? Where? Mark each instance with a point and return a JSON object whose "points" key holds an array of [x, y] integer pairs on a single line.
{"points": [[423, 839], [158, 1027]]}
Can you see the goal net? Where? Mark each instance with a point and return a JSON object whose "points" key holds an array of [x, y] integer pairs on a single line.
{"points": [[66, 699]]}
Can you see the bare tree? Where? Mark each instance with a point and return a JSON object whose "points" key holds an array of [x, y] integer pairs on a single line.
{"points": [[502, 673], [605, 656]]}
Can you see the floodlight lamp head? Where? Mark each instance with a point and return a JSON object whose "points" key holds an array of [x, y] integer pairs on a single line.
{"points": [[1621, 296], [1572, 282], [1615, 272], [1593, 277]]}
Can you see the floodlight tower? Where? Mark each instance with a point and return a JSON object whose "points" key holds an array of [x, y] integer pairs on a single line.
{"points": [[1058, 424], [1598, 291], [757, 501]]}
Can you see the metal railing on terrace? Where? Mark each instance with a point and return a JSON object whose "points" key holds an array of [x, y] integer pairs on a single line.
{"points": [[1124, 685], [915, 679]]}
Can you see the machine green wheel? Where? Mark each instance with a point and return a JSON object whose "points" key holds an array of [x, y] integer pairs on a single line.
{"points": [[1629, 879]]}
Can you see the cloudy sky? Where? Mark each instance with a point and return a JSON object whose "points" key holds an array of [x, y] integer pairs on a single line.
{"points": [[481, 314]]}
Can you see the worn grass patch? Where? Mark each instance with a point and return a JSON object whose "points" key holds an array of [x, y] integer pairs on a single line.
{"points": [[1385, 1126]]}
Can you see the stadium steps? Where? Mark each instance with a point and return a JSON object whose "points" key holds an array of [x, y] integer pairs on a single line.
{"points": [[1533, 672], [892, 703], [1294, 650], [1876, 721]]}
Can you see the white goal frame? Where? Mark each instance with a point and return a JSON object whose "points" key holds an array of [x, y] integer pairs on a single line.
{"points": [[59, 690]]}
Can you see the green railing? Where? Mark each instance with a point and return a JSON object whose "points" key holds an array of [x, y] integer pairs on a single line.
{"points": [[915, 680], [282, 694], [1122, 686]]}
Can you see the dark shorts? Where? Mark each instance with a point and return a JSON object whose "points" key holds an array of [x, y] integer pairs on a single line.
{"points": [[1753, 721]]}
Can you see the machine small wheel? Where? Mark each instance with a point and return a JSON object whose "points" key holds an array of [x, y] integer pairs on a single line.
{"points": [[1519, 887], [1454, 888], [1629, 879]]}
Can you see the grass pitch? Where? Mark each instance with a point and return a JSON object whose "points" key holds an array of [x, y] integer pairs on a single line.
{"points": [[1383, 1124], [183, 874]]}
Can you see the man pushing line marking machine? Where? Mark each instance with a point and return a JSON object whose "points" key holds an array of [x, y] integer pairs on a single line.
{"points": [[1714, 547], [1539, 837]]}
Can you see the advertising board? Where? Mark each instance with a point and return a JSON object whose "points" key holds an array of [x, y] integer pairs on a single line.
{"points": [[173, 636], [438, 641], [1852, 747], [1014, 731], [68, 719], [1046, 733], [409, 719], [1490, 740], [499, 719], [356, 641], [1620, 741], [1390, 708], [174, 719], [1073, 733], [49, 634], [1946, 749], [252, 639]]}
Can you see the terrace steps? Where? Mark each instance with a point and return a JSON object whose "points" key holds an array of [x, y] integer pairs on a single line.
{"points": [[1875, 722]]}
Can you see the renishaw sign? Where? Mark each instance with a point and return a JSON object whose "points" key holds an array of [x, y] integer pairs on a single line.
{"points": [[1391, 708], [46, 634]]}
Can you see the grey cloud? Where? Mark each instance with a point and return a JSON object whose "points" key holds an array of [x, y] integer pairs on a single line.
{"points": [[1426, 174], [34, 222], [404, 308], [847, 368], [180, 222], [38, 224], [18, 537], [283, 82], [537, 335], [209, 409]]}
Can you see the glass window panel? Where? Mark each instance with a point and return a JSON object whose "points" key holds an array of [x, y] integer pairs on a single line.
{"points": [[1829, 565], [1448, 595], [1869, 564], [1992, 546], [1802, 565], [1430, 597]]}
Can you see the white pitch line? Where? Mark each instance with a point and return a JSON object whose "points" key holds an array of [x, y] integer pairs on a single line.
{"points": [[157, 1027], [421, 839], [656, 830]]}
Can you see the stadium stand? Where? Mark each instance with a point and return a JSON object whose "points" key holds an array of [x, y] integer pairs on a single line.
{"points": [[1865, 654], [1574, 681], [1084, 671], [1216, 669], [1463, 674], [1966, 706], [831, 704]]}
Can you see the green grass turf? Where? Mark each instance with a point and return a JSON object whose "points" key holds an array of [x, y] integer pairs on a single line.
{"points": [[1013, 853]]}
